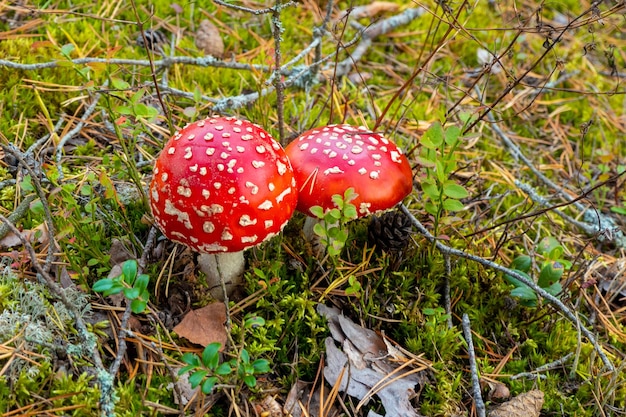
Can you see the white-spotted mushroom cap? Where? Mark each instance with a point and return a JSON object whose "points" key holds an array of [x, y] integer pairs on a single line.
{"points": [[222, 185], [331, 159]]}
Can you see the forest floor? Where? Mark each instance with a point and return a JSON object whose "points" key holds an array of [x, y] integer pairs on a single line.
{"points": [[498, 286]]}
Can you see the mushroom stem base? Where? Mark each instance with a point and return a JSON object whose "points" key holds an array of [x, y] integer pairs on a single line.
{"points": [[222, 267]]}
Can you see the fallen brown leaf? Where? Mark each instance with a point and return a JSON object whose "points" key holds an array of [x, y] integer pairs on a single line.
{"points": [[204, 325], [527, 404]]}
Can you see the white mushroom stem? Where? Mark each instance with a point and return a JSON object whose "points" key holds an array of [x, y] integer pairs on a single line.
{"points": [[223, 271]]}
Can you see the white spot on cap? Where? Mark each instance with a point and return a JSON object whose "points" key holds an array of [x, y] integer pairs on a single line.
{"points": [[184, 191], [200, 123], [219, 127], [376, 156], [266, 205], [314, 151], [333, 170], [395, 156], [282, 195], [271, 186], [231, 164], [155, 195], [240, 149], [246, 137], [260, 149], [226, 235], [224, 155], [208, 136], [364, 208], [181, 216], [303, 146], [164, 177], [210, 151], [352, 162], [356, 150], [220, 167], [362, 171], [249, 239], [258, 164], [217, 185], [226, 135], [232, 190], [282, 168], [193, 168], [374, 175], [208, 227], [245, 220], [253, 188], [171, 150], [188, 153], [212, 209], [206, 193], [269, 223], [237, 129], [203, 171]]}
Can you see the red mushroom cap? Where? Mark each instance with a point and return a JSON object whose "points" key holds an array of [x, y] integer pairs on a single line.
{"points": [[222, 185], [331, 159]]}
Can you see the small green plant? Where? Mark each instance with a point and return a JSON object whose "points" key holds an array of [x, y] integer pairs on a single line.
{"points": [[208, 370], [438, 159], [132, 284], [331, 228], [550, 272]]}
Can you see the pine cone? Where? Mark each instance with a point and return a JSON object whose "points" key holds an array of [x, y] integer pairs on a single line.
{"points": [[390, 231]]}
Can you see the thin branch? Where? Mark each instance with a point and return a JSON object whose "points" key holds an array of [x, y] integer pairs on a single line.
{"points": [[478, 398]]}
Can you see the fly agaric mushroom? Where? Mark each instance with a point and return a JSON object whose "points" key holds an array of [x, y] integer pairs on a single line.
{"points": [[331, 159], [222, 185]]}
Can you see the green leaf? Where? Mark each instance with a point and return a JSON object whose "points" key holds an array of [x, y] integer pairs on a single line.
{"points": [[430, 189], [619, 210], [141, 283], [131, 293], [525, 293], [261, 366], [138, 306], [67, 49], [350, 212], [554, 289], [223, 369], [453, 190], [244, 357], [317, 211], [119, 84], [191, 359], [27, 184], [547, 244], [254, 322], [433, 137], [452, 135], [522, 263], [517, 282], [550, 274], [319, 230], [208, 384], [102, 285], [196, 378], [334, 214], [440, 171], [453, 205], [250, 381], [186, 369], [211, 355], [36, 207], [129, 270]]}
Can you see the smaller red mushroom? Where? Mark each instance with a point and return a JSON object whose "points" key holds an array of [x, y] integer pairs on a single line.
{"points": [[331, 159], [222, 185]]}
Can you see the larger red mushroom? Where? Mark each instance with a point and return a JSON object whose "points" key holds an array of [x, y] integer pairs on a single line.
{"points": [[331, 159], [222, 185]]}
